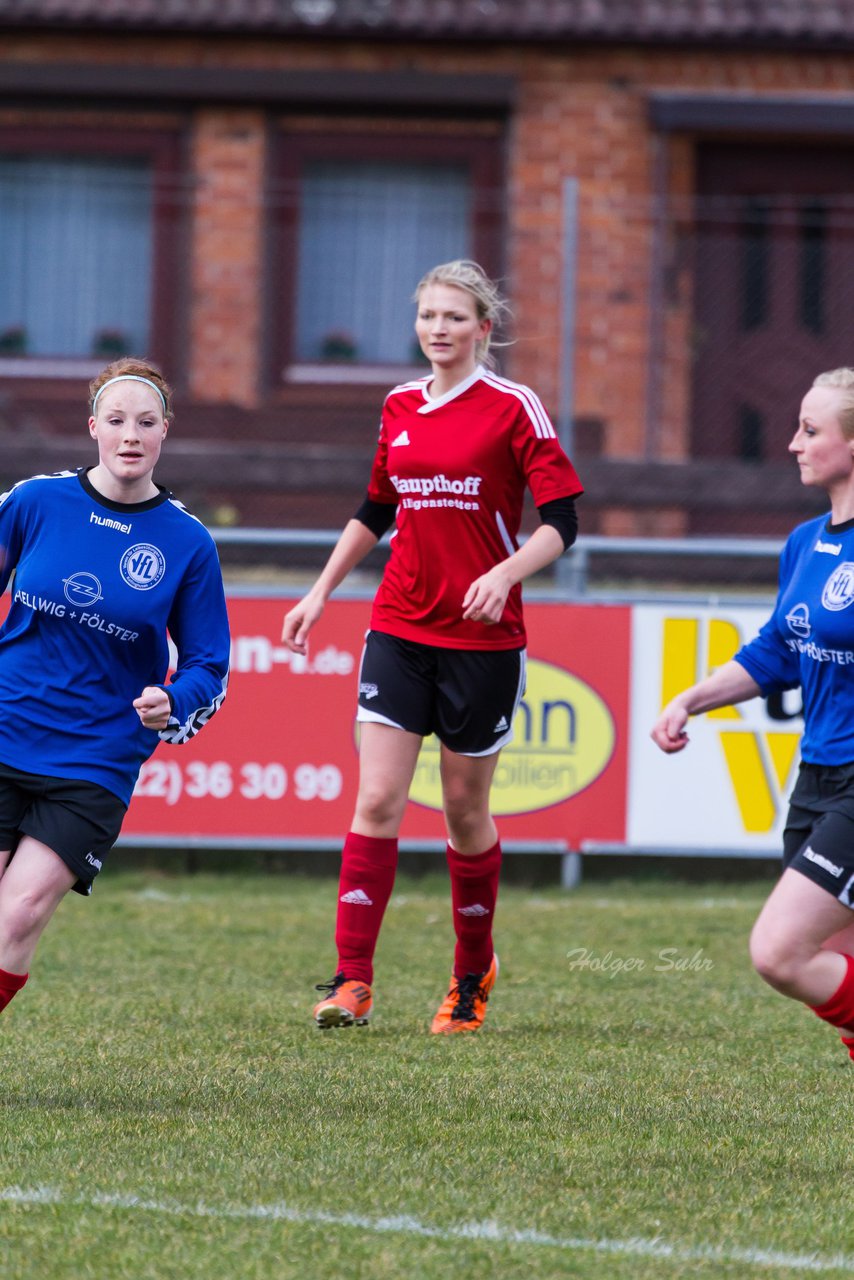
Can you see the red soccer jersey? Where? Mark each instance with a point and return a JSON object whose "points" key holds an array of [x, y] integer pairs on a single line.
{"points": [[457, 467]]}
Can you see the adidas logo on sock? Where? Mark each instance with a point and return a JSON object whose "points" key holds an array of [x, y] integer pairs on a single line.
{"points": [[476, 910], [501, 726], [358, 898], [403, 438]]}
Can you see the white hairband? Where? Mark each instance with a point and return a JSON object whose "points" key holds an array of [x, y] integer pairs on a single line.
{"points": [[131, 377]]}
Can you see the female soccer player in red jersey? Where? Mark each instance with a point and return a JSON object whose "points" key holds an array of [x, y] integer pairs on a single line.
{"points": [[803, 941], [445, 653]]}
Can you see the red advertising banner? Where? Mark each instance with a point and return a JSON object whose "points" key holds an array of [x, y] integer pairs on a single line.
{"points": [[279, 760]]}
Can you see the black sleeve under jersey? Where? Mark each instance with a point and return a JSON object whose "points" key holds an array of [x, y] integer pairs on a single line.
{"points": [[560, 513], [376, 516]]}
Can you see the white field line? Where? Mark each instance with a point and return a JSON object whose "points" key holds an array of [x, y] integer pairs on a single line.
{"points": [[407, 1226], [700, 904]]}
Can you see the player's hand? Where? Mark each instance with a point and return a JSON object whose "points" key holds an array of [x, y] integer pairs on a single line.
{"points": [[669, 731], [486, 597], [153, 707], [298, 622]]}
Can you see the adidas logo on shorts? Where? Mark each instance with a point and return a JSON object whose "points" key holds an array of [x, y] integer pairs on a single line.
{"points": [[502, 725], [357, 897]]}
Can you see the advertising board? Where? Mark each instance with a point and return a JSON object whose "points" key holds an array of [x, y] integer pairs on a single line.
{"points": [[279, 761]]}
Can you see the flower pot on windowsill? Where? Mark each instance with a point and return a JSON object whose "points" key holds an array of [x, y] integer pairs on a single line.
{"points": [[110, 343], [13, 342], [338, 346]]}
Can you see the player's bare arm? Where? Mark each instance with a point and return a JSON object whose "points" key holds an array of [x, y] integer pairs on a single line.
{"points": [[353, 545], [486, 597], [728, 685]]}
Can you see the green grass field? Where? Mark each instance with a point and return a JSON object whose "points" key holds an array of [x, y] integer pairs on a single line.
{"points": [[639, 1105]]}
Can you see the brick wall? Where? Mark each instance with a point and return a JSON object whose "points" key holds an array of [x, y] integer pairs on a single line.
{"points": [[226, 256], [580, 114]]}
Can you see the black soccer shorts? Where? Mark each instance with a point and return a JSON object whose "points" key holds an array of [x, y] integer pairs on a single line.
{"points": [[818, 839], [79, 821], [467, 697]]}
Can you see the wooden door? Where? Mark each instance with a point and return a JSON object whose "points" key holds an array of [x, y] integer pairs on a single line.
{"points": [[774, 291]]}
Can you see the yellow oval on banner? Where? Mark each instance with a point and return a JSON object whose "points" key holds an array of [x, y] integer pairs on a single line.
{"points": [[563, 737]]}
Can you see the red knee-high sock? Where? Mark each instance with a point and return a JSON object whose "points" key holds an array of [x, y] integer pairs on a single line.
{"points": [[368, 867], [10, 985], [839, 1009], [474, 889]]}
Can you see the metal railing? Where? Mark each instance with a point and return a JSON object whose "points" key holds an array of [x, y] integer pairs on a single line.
{"points": [[572, 573]]}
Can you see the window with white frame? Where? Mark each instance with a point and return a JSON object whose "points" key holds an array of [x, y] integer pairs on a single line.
{"points": [[367, 233], [77, 247], [357, 217]]}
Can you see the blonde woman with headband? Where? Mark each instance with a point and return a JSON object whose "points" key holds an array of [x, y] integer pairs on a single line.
{"points": [[445, 653], [105, 561]]}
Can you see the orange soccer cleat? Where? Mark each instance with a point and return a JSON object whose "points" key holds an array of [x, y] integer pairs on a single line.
{"points": [[464, 1007], [346, 1003]]}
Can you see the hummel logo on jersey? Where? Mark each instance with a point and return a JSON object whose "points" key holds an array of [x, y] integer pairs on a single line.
{"points": [[108, 523], [502, 725], [476, 910], [403, 438], [358, 898], [832, 547]]}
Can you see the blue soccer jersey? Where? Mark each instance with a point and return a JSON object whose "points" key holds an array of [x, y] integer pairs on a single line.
{"points": [[94, 587], [809, 638]]}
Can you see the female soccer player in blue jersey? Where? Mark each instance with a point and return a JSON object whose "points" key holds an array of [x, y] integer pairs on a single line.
{"points": [[105, 562], [803, 941]]}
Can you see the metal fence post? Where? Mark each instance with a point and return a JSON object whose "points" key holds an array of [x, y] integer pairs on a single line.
{"points": [[570, 870], [566, 574]]}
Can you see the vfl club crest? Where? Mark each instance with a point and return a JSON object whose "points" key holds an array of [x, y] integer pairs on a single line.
{"points": [[839, 589], [142, 566]]}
